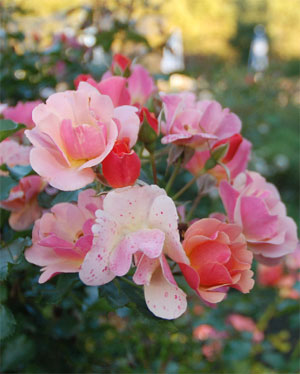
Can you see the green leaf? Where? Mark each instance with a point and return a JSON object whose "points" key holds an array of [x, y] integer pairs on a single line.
{"points": [[65, 196], [3, 293], [20, 171], [114, 294], [7, 322], [11, 254], [17, 353], [63, 285], [8, 127], [6, 184]]}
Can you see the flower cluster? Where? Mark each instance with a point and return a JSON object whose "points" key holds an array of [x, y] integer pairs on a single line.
{"points": [[100, 138]]}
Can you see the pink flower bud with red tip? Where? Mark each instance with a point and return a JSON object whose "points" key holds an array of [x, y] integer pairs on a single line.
{"points": [[150, 118], [84, 78], [122, 166], [120, 64], [233, 145]]}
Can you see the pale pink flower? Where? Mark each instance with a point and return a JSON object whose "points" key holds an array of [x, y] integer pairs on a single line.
{"points": [[23, 204], [22, 113], [138, 224], [12, 153], [194, 123], [63, 236], [218, 259], [255, 206], [75, 131]]}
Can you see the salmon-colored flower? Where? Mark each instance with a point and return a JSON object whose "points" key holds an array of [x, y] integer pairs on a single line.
{"points": [[23, 203], [218, 259]]}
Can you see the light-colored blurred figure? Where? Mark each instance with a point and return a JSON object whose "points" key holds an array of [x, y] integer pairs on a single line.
{"points": [[258, 56], [173, 59]]}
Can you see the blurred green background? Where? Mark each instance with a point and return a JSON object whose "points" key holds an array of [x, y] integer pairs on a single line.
{"points": [[64, 327]]}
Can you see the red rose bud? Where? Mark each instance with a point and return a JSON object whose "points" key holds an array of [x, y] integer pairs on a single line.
{"points": [[145, 115], [120, 64], [84, 78], [233, 145], [122, 166]]}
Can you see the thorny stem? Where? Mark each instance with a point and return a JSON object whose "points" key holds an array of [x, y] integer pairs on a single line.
{"points": [[174, 175], [185, 187], [193, 207], [152, 159]]}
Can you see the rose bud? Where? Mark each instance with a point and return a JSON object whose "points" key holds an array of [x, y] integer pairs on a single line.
{"points": [[233, 145], [84, 78], [149, 126], [122, 166], [120, 65]]}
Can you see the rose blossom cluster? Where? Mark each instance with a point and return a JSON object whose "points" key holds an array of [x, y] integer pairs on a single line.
{"points": [[97, 137]]}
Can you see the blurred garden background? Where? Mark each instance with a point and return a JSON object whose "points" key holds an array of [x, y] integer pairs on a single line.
{"points": [[65, 327]]}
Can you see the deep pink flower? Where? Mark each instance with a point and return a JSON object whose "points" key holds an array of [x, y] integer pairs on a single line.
{"points": [[23, 204], [255, 206], [141, 85], [218, 259], [63, 236], [193, 123], [22, 113], [76, 130], [138, 224]]}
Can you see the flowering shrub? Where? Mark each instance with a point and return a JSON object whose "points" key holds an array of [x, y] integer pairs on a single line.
{"points": [[102, 136]]}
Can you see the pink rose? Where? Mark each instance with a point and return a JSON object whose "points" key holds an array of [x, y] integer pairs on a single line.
{"points": [[193, 123], [75, 131], [218, 259], [236, 164], [255, 206], [23, 204], [114, 87], [138, 224], [242, 323], [140, 85], [205, 332], [63, 236], [12, 153], [269, 275], [22, 113]]}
